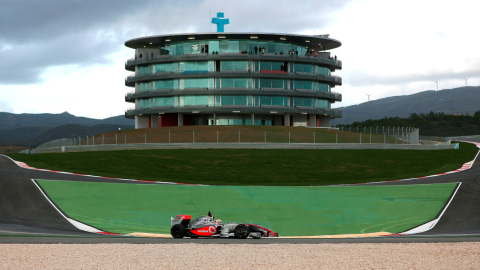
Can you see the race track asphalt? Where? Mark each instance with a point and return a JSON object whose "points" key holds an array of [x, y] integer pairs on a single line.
{"points": [[24, 212]]}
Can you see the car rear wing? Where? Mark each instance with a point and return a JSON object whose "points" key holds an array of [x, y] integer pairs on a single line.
{"points": [[180, 219]]}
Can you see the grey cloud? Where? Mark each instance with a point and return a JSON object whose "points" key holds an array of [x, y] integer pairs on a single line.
{"points": [[36, 35], [32, 20], [24, 64]]}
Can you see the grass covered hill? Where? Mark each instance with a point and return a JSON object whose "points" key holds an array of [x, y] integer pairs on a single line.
{"points": [[272, 167], [449, 101], [233, 134]]}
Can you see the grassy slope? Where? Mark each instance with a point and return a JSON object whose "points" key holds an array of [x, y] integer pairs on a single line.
{"points": [[257, 167], [127, 208]]}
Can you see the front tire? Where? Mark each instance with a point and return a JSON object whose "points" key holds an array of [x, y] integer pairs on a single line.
{"points": [[178, 231], [242, 231]]}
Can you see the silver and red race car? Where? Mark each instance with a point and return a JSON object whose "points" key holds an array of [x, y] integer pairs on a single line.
{"points": [[207, 226]]}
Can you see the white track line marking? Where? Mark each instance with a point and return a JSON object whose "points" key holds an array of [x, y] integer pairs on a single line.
{"points": [[78, 225], [429, 225]]}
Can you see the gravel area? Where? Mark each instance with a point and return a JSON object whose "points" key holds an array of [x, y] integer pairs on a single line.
{"points": [[241, 256]]}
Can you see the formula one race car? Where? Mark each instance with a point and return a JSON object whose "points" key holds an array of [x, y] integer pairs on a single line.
{"points": [[207, 226]]}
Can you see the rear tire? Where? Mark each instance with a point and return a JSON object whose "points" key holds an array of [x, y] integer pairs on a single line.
{"points": [[242, 231], [178, 231]]}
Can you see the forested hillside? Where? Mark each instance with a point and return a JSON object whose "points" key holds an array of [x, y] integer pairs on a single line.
{"points": [[451, 101], [430, 124]]}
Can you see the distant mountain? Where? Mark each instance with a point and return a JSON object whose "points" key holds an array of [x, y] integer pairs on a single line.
{"points": [[11, 120], [451, 101], [70, 131], [21, 136], [33, 136]]}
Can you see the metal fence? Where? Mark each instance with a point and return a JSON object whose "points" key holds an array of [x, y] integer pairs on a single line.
{"points": [[232, 136], [406, 135], [434, 138]]}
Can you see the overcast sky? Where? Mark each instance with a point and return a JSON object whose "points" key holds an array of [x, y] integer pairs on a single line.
{"points": [[68, 55]]}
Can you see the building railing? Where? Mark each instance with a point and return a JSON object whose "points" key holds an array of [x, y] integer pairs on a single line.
{"points": [[255, 109], [156, 58], [147, 93], [138, 77]]}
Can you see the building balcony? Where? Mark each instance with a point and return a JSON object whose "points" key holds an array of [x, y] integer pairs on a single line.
{"points": [[331, 96], [204, 109], [320, 59], [332, 80]]}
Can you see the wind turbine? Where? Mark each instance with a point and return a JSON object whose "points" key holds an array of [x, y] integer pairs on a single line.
{"points": [[466, 79], [368, 96], [437, 84]]}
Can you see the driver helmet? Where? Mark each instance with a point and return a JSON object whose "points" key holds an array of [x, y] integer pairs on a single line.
{"points": [[219, 221]]}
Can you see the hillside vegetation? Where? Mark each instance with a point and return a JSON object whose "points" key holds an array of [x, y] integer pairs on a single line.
{"points": [[11, 120], [34, 136], [430, 124], [269, 167], [34, 129], [450, 101]]}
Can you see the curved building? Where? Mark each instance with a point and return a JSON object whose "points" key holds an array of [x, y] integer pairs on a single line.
{"points": [[232, 79]]}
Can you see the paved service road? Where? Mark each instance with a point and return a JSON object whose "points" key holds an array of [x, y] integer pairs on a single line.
{"points": [[25, 211]]}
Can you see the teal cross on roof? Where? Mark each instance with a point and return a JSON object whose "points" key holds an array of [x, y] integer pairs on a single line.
{"points": [[220, 21]]}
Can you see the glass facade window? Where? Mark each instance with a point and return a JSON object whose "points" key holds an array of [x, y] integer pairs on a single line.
{"points": [[299, 84], [235, 65], [230, 122], [194, 65], [145, 103], [301, 101], [323, 87], [229, 46], [195, 100], [211, 66], [164, 101], [297, 67], [273, 83], [144, 86], [322, 71], [164, 84], [268, 65], [222, 100], [234, 82], [310, 85], [272, 100], [213, 46], [321, 103], [167, 67], [195, 83], [144, 70]]}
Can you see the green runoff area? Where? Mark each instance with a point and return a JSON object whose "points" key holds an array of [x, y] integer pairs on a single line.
{"points": [[258, 167], [290, 211]]}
